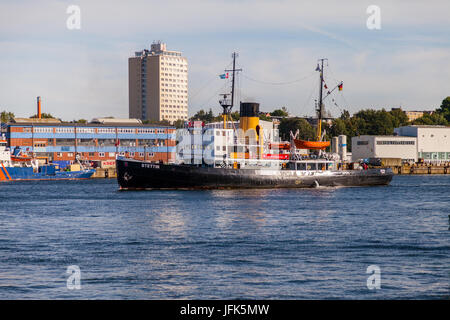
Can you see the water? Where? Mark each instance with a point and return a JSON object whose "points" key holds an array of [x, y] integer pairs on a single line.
{"points": [[227, 244]]}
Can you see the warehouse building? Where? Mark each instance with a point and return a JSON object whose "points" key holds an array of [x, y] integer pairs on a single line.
{"points": [[98, 141], [364, 147]]}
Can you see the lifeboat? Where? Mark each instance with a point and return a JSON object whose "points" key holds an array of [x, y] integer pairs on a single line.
{"points": [[315, 145], [20, 159]]}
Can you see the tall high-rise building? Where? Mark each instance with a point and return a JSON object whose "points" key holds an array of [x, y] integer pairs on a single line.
{"points": [[158, 84]]}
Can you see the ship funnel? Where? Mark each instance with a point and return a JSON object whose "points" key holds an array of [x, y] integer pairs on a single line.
{"points": [[249, 124], [249, 116]]}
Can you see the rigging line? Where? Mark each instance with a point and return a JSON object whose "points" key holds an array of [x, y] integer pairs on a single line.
{"points": [[278, 83], [333, 77], [345, 100], [210, 81], [309, 98], [215, 94], [202, 88]]}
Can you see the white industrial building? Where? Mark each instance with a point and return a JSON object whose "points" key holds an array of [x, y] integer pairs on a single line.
{"points": [[404, 148], [430, 143], [433, 142]]}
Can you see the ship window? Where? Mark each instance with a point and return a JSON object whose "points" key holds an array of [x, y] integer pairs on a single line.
{"points": [[301, 166], [311, 166]]}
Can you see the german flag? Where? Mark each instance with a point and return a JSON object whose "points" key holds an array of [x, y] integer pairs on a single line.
{"points": [[340, 86]]}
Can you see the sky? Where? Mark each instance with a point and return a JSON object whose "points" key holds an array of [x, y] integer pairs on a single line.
{"points": [[83, 73]]}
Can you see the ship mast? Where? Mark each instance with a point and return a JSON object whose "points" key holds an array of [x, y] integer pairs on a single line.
{"points": [[226, 104], [320, 109]]}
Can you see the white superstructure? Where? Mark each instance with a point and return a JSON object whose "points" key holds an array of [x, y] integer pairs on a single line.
{"points": [[212, 143]]}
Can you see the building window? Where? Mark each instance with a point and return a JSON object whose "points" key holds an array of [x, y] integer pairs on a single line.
{"points": [[362, 143], [396, 142], [101, 154]]}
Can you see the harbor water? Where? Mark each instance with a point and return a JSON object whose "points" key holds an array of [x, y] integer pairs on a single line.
{"points": [[225, 244]]}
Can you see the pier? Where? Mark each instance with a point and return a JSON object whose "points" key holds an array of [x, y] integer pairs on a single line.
{"points": [[104, 173], [421, 169]]}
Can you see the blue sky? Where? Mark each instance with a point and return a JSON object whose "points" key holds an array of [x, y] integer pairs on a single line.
{"points": [[83, 73]]}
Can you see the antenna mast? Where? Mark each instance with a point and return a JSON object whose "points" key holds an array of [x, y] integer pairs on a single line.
{"points": [[320, 110], [226, 104]]}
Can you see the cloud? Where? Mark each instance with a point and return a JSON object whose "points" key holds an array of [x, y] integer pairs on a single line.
{"points": [[83, 74]]}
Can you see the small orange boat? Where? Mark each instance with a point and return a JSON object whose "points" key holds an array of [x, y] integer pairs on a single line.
{"points": [[315, 145], [20, 159]]}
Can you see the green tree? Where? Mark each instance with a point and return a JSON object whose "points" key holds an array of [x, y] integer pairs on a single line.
{"points": [[235, 116], [7, 116], [204, 116], [44, 116], [179, 123], [367, 122], [306, 131], [338, 127], [283, 112], [444, 109], [375, 122], [399, 118], [434, 119], [345, 115]]}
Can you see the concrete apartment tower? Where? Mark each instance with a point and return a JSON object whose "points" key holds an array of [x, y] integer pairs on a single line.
{"points": [[158, 84]]}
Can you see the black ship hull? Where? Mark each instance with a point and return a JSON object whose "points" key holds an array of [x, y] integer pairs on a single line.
{"points": [[136, 175]]}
